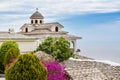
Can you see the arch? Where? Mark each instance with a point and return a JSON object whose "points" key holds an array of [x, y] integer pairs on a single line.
{"points": [[36, 21], [56, 29], [31, 21], [71, 44], [26, 29]]}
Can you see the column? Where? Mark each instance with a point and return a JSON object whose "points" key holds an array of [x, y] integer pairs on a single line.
{"points": [[74, 46]]}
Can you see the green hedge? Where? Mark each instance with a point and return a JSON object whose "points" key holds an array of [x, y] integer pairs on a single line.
{"points": [[26, 67], [12, 53], [6, 45]]}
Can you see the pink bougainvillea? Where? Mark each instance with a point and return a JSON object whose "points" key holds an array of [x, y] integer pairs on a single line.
{"points": [[12, 60], [7, 65], [56, 71]]}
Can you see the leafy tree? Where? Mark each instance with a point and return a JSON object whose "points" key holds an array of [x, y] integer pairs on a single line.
{"points": [[63, 50], [26, 67], [6, 45], [47, 46], [59, 48]]}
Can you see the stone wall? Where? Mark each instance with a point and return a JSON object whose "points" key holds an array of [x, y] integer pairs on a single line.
{"points": [[92, 70]]}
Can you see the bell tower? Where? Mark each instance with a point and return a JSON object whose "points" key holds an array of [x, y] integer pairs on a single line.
{"points": [[37, 18]]}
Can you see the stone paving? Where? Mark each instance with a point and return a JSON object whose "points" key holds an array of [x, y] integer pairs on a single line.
{"points": [[92, 70]]}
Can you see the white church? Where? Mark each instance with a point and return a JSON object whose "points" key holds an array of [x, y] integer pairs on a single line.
{"points": [[33, 33]]}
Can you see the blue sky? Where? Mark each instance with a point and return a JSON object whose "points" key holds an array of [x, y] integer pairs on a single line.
{"points": [[96, 21], [100, 32]]}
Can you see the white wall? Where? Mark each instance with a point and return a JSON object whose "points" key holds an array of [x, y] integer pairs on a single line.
{"points": [[25, 46]]}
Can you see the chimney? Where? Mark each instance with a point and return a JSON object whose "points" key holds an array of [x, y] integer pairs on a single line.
{"points": [[11, 30]]}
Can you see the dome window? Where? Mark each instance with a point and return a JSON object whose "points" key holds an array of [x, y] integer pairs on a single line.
{"points": [[36, 21], [31, 21]]}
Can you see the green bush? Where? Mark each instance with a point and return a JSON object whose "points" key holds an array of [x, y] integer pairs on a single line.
{"points": [[59, 48], [26, 67], [6, 45], [47, 45], [2, 68], [63, 50], [12, 53]]}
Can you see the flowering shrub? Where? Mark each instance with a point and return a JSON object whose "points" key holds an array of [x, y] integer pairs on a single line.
{"points": [[56, 71]]}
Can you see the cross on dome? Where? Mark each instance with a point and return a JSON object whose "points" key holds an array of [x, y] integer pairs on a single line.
{"points": [[36, 9]]}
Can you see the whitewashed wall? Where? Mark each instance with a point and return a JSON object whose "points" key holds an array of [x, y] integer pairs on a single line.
{"points": [[26, 46]]}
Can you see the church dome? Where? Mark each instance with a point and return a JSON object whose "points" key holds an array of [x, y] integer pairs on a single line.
{"points": [[36, 15]]}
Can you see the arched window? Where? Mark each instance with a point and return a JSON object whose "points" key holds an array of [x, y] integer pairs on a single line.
{"points": [[36, 21], [26, 29], [31, 21], [56, 29], [40, 21]]}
